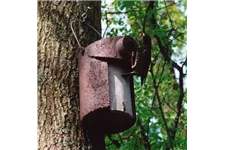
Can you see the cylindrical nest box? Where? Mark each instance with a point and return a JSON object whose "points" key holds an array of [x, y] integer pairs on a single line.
{"points": [[106, 95]]}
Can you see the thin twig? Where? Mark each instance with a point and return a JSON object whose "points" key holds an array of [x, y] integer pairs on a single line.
{"points": [[160, 78], [125, 12], [147, 144], [137, 10], [167, 58], [120, 138], [106, 18], [161, 109], [115, 142], [175, 38], [184, 62], [168, 14], [172, 29], [167, 6], [145, 17], [164, 52], [169, 105], [157, 56], [181, 41], [161, 46], [159, 67]]}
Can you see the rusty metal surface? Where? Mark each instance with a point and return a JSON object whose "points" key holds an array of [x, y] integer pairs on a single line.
{"points": [[107, 98]]}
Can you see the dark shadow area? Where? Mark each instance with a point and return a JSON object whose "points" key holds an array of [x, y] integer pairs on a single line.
{"points": [[107, 121]]}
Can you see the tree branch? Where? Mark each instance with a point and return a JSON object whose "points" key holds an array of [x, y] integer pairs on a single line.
{"points": [[147, 144], [182, 41], [160, 79], [179, 104], [184, 62], [120, 138], [145, 17], [175, 38], [172, 29], [163, 49], [168, 14], [167, 6], [169, 105], [122, 12], [161, 109], [115, 142]]}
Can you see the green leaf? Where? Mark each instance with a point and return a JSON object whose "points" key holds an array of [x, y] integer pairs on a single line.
{"points": [[168, 88], [128, 3]]}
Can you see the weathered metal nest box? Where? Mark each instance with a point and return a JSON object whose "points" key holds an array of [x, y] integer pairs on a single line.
{"points": [[106, 96]]}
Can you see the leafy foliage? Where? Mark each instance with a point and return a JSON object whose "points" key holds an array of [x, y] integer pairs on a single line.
{"points": [[161, 103]]}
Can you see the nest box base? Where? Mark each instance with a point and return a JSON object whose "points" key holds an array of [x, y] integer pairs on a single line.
{"points": [[108, 121]]}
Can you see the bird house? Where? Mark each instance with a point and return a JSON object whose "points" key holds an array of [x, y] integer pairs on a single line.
{"points": [[106, 96]]}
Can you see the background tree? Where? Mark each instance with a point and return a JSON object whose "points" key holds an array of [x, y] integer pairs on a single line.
{"points": [[161, 103], [59, 124]]}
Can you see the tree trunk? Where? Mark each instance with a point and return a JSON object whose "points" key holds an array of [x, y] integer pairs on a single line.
{"points": [[59, 125]]}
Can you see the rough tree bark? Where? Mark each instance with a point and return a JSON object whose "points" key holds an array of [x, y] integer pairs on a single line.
{"points": [[59, 125]]}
